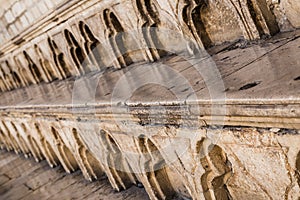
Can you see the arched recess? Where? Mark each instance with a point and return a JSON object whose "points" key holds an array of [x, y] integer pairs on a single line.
{"points": [[65, 155], [5, 140], [33, 146], [14, 75], [156, 169], [255, 18], [76, 52], [150, 16], [16, 79], [50, 71], [9, 81], [117, 168], [262, 17], [11, 138], [192, 17], [22, 144], [91, 45], [116, 36], [89, 165], [298, 168], [59, 59], [6, 80], [218, 170], [46, 148], [4, 85], [23, 73], [37, 75]]}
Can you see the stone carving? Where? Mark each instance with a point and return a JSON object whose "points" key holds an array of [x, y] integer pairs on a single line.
{"points": [[256, 19], [115, 35], [205, 171], [91, 45]]}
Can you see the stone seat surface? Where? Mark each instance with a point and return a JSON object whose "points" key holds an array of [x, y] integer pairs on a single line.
{"points": [[253, 78]]}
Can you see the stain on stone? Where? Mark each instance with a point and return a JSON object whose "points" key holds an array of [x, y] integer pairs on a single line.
{"points": [[297, 79], [19, 41], [250, 85]]}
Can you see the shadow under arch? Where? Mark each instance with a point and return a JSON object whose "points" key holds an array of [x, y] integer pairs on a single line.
{"points": [[22, 144], [65, 156], [116, 38], [91, 45], [218, 170], [192, 17], [33, 146], [298, 168], [116, 163], [59, 59], [90, 166], [155, 169], [46, 65], [37, 75], [46, 148], [149, 13], [76, 52]]}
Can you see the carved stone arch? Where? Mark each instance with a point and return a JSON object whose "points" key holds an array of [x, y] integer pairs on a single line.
{"points": [[50, 72], [262, 17], [91, 45], [89, 165], [6, 79], [15, 77], [192, 18], [4, 85], [11, 138], [65, 156], [5, 140], [159, 185], [9, 81], [46, 148], [37, 75], [245, 19], [115, 164], [20, 140], [23, 73], [115, 34], [33, 145], [151, 21], [298, 168], [76, 52], [59, 59], [218, 170]]}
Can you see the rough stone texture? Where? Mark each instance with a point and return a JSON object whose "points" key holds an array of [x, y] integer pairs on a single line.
{"points": [[207, 23], [62, 99], [30, 180]]}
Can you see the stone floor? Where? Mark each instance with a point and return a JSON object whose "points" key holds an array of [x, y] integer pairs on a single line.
{"points": [[22, 178]]}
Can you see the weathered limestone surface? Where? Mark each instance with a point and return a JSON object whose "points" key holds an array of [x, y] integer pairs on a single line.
{"points": [[61, 34], [143, 108], [24, 179]]}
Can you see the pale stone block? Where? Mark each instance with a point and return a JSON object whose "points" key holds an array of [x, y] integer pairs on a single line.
{"points": [[43, 7], [35, 12], [9, 16], [24, 21], [18, 8], [29, 16], [49, 4]]}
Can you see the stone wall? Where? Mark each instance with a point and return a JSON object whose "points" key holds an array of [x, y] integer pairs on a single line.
{"points": [[246, 163], [172, 153], [43, 41]]}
